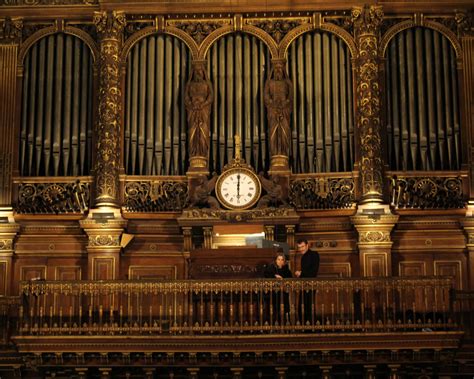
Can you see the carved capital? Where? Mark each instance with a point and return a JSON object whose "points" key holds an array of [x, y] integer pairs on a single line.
{"points": [[110, 24], [465, 23], [374, 228], [10, 30], [367, 19]]}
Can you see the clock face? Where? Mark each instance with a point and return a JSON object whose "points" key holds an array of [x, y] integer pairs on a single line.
{"points": [[238, 188]]}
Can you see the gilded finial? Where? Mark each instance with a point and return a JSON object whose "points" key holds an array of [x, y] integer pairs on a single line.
{"points": [[237, 147]]}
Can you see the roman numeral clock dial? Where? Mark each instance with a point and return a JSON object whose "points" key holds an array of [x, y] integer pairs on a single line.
{"points": [[238, 188]]}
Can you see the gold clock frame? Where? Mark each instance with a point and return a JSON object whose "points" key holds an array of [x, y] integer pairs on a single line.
{"points": [[232, 170]]}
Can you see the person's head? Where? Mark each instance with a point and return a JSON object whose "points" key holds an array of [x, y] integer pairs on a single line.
{"points": [[278, 71], [302, 245], [280, 259]]}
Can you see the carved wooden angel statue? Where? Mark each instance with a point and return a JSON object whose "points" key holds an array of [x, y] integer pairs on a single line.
{"points": [[278, 97], [201, 197], [198, 99], [274, 192]]}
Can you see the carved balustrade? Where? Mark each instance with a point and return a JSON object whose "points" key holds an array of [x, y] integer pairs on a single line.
{"points": [[386, 305]]}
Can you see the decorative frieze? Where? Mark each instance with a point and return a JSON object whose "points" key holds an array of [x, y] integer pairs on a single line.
{"points": [[52, 198], [42, 3], [155, 196], [278, 28], [322, 193], [198, 30], [427, 192], [105, 240]]}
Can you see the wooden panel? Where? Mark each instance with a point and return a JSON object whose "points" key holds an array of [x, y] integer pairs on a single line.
{"points": [[4, 277], [375, 264], [103, 268], [68, 273], [450, 268], [412, 268], [33, 272], [152, 272], [334, 270]]}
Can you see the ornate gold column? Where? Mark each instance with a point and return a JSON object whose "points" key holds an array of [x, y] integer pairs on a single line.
{"points": [[108, 127], [105, 225], [374, 243], [10, 37], [367, 76]]}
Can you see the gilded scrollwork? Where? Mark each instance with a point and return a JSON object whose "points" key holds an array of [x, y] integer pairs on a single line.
{"points": [[110, 27], [367, 21], [11, 29], [322, 193], [236, 216], [52, 198], [427, 192], [155, 196], [104, 240]]}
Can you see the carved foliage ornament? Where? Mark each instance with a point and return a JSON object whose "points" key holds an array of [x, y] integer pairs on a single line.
{"points": [[157, 196], [6, 244], [374, 237], [104, 240], [110, 27], [464, 23], [277, 28], [11, 29], [322, 193], [367, 19], [198, 30]]}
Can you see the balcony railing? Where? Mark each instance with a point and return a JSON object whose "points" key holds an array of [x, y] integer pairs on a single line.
{"points": [[225, 307]]}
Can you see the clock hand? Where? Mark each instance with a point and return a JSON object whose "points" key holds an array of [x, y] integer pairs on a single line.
{"points": [[238, 186]]}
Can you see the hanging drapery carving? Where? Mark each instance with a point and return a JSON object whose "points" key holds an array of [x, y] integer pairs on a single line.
{"points": [[278, 97], [56, 119], [110, 27], [198, 99], [423, 116], [322, 120], [366, 28], [155, 117]]}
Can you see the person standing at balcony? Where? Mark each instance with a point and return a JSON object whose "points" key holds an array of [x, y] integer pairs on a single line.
{"points": [[279, 269], [309, 269]]}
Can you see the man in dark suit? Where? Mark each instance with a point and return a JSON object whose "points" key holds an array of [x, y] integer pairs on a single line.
{"points": [[309, 269]]}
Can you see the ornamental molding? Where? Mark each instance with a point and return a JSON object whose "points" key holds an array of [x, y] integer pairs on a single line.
{"points": [[374, 237], [104, 240], [6, 244]]}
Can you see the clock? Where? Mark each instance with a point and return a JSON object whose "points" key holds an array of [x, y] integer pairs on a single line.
{"points": [[238, 188]]}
